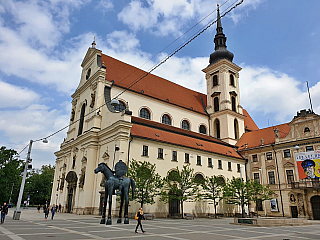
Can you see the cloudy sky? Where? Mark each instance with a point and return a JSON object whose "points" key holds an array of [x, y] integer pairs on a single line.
{"points": [[42, 43]]}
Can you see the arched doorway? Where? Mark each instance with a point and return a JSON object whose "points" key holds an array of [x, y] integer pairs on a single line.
{"points": [[72, 185], [315, 203]]}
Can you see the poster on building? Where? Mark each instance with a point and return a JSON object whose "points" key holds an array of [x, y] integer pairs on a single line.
{"points": [[274, 205], [308, 164]]}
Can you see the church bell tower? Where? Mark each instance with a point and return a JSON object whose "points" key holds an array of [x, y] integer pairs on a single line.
{"points": [[223, 93]]}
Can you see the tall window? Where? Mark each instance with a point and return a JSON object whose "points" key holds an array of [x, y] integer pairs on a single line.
{"points": [[210, 162], [269, 155], [256, 177], [160, 153], [144, 113], [236, 129], [255, 158], [215, 80], [199, 178], [174, 156], [145, 150], [232, 80], [202, 129], [120, 107], [217, 128], [186, 157], [290, 177], [229, 166], [166, 119], [185, 125], [286, 153], [233, 104], [272, 179], [238, 167], [219, 164], [198, 160], [83, 109], [216, 104]]}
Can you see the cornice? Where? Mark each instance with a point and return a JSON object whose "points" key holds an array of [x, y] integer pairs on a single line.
{"points": [[221, 63], [227, 111]]}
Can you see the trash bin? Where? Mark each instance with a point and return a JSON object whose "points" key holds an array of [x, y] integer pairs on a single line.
{"points": [[16, 215]]}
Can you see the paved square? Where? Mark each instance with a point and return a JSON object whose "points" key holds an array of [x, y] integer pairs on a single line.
{"points": [[32, 226]]}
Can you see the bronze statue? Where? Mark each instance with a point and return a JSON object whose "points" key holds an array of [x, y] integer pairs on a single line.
{"points": [[114, 180]]}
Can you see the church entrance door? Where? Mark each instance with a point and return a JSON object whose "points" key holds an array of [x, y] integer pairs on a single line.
{"points": [[72, 185]]}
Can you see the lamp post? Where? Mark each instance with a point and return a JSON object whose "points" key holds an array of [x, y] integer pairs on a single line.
{"points": [[17, 212], [275, 154], [264, 202]]}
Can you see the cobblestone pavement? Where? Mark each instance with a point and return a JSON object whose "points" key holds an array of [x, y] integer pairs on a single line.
{"points": [[32, 226]]}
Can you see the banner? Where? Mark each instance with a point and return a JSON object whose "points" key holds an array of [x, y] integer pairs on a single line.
{"points": [[308, 164]]}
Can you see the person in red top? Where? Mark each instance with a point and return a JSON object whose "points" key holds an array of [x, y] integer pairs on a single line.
{"points": [[140, 217]]}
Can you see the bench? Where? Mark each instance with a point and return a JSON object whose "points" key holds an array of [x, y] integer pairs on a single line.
{"points": [[148, 216], [189, 216]]}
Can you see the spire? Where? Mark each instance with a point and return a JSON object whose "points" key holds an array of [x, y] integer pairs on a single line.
{"points": [[220, 40], [94, 42]]}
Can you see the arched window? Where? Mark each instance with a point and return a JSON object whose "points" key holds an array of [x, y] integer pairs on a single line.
{"points": [[199, 178], [232, 80], [166, 119], [144, 113], [233, 102], [217, 128], [215, 80], [83, 109], [216, 104], [203, 129], [120, 107], [236, 129], [185, 125]]}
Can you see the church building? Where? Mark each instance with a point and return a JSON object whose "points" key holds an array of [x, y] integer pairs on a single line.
{"points": [[156, 121]]}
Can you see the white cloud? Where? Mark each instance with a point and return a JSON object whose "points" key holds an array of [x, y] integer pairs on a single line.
{"points": [[271, 92], [12, 96], [105, 5]]}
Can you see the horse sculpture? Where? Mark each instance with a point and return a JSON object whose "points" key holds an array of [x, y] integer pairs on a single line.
{"points": [[114, 180]]}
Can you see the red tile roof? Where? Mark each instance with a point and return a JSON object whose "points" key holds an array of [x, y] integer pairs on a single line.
{"points": [[124, 75], [253, 139], [249, 124], [176, 136]]}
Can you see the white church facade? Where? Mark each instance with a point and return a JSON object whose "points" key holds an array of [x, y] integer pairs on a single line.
{"points": [[157, 121]]}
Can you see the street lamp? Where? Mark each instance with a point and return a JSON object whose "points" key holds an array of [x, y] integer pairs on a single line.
{"points": [[264, 202], [17, 212]]}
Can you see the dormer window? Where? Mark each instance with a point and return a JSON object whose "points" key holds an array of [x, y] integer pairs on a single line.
{"points": [[215, 81], [306, 129], [88, 73]]}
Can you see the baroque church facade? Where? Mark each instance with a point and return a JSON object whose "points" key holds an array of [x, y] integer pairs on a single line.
{"points": [[157, 121], [168, 125]]}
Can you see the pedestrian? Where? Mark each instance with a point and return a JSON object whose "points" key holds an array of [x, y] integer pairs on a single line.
{"points": [[59, 207], [139, 216], [4, 212], [46, 211], [39, 207], [53, 211]]}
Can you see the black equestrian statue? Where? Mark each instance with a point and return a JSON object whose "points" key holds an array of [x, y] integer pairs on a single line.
{"points": [[115, 180]]}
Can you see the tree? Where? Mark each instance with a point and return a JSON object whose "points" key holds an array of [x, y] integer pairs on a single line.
{"points": [[212, 189], [39, 184], [147, 181], [179, 185], [238, 192], [258, 192], [10, 175]]}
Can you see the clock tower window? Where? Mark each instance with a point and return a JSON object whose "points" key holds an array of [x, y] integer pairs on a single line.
{"points": [[215, 81], [216, 104], [233, 104]]}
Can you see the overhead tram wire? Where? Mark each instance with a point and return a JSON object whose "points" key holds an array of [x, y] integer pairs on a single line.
{"points": [[228, 10]]}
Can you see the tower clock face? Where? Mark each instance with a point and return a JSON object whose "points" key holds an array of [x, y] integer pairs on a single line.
{"points": [[88, 73]]}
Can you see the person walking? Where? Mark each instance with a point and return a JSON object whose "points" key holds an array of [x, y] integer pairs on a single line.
{"points": [[53, 211], [38, 208], [46, 211], [140, 217], [59, 207], [4, 212]]}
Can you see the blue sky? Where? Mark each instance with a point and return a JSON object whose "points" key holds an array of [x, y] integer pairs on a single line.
{"points": [[42, 44]]}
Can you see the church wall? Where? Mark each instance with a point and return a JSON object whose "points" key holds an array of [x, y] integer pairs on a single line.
{"points": [[158, 108]]}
